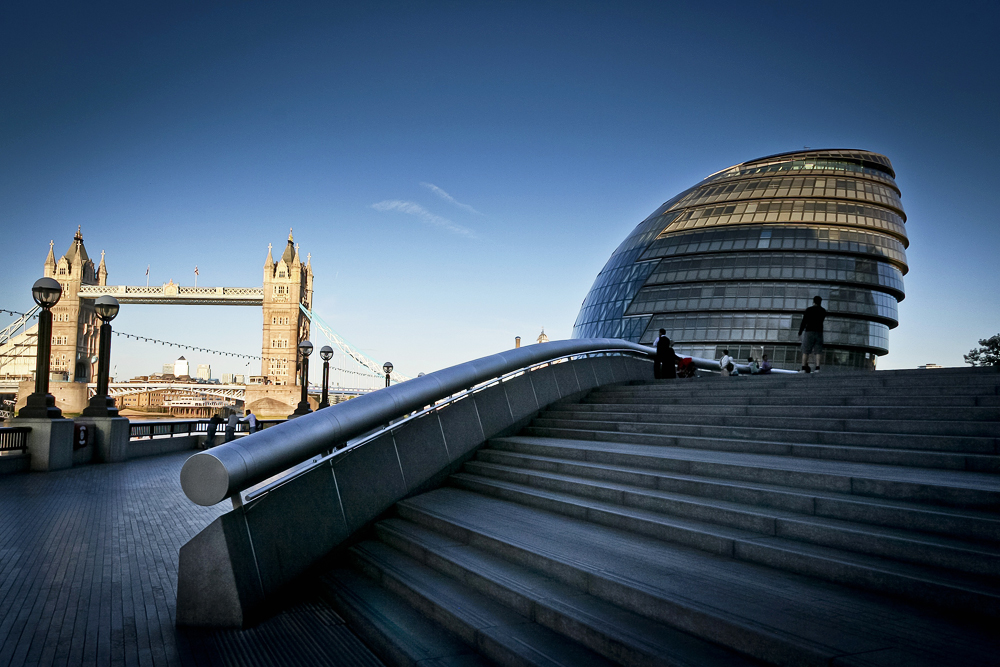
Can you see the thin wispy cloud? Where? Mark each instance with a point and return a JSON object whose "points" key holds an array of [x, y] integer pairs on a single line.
{"points": [[448, 198], [419, 211]]}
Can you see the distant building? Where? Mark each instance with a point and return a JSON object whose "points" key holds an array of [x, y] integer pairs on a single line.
{"points": [[240, 379], [181, 368], [926, 366], [542, 338], [74, 321], [732, 262], [287, 289], [204, 372], [168, 369], [227, 378]]}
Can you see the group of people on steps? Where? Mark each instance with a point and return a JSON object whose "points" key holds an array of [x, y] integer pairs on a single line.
{"points": [[667, 365]]}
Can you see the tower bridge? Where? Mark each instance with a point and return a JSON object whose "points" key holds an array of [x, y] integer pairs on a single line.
{"points": [[285, 298]]}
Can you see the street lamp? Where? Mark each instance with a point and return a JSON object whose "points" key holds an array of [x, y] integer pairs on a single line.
{"points": [[387, 367], [42, 404], [305, 349], [326, 354], [102, 405]]}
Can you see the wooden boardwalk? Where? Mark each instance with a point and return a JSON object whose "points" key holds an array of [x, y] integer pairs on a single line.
{"points": [[88, 576]]}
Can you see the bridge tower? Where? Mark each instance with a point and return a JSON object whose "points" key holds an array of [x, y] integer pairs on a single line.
{"points": [[287, 283], [75, 326]]}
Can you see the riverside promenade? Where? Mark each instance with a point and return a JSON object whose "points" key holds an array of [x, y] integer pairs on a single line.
{"points": [[88, 576]]}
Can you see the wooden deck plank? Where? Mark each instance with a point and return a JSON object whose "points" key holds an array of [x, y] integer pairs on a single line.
{"points": [[88, 576]]}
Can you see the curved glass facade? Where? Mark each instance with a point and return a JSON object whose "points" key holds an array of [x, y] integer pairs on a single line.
{"points": [[732, 262]]}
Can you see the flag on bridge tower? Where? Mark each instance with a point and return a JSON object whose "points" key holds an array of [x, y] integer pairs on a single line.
{"points": [[196, 275], [147, 275]]}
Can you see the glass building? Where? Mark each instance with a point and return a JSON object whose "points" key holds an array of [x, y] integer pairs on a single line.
{"points": [[732, 262]]}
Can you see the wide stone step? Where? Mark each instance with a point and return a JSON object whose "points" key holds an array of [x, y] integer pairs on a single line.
{"points": [[817, 381], [775, 616], [981, 438], [392, 628], [922, 549], [905, 374], [802, 399], [875, 455], [848, 380], [615, 633], [746, 387], [970, 490], [985, 417], [495, 630], [947, 521], [904, 580]]}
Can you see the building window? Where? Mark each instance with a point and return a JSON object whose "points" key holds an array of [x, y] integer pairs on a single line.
{"points": [[280, 289]]}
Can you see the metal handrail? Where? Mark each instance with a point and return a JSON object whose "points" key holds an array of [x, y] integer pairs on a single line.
{"points": [[212, 476], [394, 425], [298, 471]]}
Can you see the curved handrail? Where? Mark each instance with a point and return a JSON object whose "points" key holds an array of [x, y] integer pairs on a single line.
{"points": [[212, 476]]}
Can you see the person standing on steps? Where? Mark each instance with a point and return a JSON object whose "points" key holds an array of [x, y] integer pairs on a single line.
{"points": [[811, 331], [665, 361]]}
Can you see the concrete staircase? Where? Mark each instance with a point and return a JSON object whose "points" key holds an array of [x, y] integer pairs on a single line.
{"points": [[848, 519]]}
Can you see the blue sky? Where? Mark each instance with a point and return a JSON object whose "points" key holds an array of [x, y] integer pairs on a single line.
{"points": [[461, 173]]}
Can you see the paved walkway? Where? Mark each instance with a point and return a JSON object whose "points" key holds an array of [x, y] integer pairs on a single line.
{"points": [[88, 576]]}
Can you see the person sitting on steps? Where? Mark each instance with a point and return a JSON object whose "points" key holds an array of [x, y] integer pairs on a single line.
{"points": [[664, 363], [765, 365], [726, 364]]}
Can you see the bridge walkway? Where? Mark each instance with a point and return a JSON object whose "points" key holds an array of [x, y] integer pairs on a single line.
{"points": [[88, 576]]}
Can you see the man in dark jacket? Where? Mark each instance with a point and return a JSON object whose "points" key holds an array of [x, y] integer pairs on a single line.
{"points": [[664, 363], [213, 426], [811, 331]]}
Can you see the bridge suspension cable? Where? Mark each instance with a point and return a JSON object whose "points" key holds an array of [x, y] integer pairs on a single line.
{"points": [[23, 319], [147, 339], [367, 368], [352, 352], [195, 348]]}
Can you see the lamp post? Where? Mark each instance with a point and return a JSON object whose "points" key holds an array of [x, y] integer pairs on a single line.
{"points": [[305, 349], [46, 293], [102, 405], [387, 367], [326, 354]]}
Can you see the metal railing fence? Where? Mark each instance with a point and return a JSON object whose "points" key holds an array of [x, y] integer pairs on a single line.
{"points": [[14, 439], [175, 428]]}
